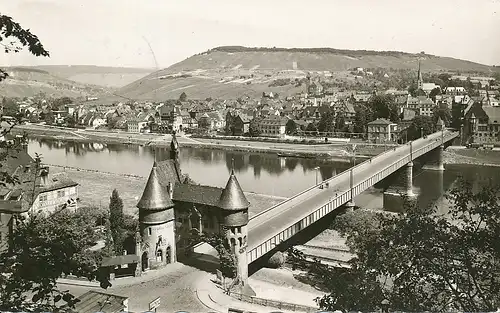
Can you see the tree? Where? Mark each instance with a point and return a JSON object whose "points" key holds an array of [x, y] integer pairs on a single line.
{"points": [[457, 113], [14, 38], [116, 218], [434, 92], [362, 117], [442, 112], [183, 97], [44, 248], [421, 125], [327, 122], [384, 107], [421, 260], [412, 89], [10, 107], [291, 128], [254, 128], [496, 76], [340, 125], [70, 121]]}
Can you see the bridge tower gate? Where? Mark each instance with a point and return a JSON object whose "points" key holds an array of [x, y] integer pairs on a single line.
{"points": [[234, 208], [156, 222]]}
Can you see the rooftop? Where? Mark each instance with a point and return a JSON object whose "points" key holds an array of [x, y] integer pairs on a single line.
{"points": [[95, 301]]}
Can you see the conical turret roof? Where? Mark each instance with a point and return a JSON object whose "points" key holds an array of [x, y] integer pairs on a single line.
{"points": [[155, 195], [232, 197]]}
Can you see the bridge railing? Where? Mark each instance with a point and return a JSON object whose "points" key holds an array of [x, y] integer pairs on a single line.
{"points": [[362, 186], [338, 176], [346, 195], [318, 185]]}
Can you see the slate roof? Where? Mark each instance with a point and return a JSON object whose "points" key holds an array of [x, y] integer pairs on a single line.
{"points": [[198, 194], [493, 114], [232, 197], [56, 182], [155, 195], [92, 301], [17, 197], [169, 171], [381, 121]]}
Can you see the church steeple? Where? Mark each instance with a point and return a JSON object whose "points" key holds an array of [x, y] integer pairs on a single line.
{"points": [[420, 80]]}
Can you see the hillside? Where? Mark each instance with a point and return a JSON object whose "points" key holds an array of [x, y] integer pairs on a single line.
{"points": [[27, 82], [96, 75], [231, 72]]}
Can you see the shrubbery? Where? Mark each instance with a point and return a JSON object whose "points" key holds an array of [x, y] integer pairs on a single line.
{"points": [[277, 260]]}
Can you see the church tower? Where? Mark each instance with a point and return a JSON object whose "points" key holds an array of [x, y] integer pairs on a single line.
{"points": [[157, 223], [420, 80], [234, 206]]}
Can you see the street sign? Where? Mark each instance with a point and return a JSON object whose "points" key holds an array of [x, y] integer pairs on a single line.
{"points": [[153, 305]]}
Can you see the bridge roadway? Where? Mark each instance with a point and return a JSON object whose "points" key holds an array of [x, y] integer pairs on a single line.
{"points": [[279, 223]]}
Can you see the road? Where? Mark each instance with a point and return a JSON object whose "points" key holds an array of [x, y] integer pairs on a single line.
{"points": [[263, 227]]}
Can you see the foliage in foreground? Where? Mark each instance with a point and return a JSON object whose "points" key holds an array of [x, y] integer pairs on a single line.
{"points": [[420, 261], [43, 249], [13, 37]]}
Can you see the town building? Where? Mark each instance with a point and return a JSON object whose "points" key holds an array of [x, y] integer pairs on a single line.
{"points": [[135, 125], [482, 124], [273, 126], [36, 191], [382, 130], [171, 208], [426, 106]]}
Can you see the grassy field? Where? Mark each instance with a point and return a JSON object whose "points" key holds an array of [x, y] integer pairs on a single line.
{"points": [[95, 190]]}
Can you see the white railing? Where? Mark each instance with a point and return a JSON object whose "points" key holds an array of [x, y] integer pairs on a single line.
{"points": [[310, 217]]}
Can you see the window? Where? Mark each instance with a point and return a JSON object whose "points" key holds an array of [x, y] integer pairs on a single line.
{"points": [[61, 193], [42, 198], [149, 231]]}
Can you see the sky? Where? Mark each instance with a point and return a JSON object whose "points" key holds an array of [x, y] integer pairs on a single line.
{"points": [[119, 32]]}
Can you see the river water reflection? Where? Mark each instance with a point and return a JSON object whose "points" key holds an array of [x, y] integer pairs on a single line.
{"points": [[257, 172]]}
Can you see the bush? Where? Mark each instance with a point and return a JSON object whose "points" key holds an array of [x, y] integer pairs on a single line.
{"points": [[277, 260]]}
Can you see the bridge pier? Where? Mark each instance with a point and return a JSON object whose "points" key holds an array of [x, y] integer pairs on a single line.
{"points": [[409, 180], [435, 162], [394, 197], [349, 206]]}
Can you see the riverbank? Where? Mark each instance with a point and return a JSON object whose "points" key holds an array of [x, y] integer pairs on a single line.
{"points": [[95, 188], [460, 155], [339, 151]]}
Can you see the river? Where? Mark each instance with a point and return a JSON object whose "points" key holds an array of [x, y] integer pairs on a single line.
{"points": [[257, 172]]}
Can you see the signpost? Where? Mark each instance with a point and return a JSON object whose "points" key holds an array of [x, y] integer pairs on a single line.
{"points": [[153, 305]]}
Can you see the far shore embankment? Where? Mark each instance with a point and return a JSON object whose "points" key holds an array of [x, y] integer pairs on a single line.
{"points": [[338, 151], [461, 155]]}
